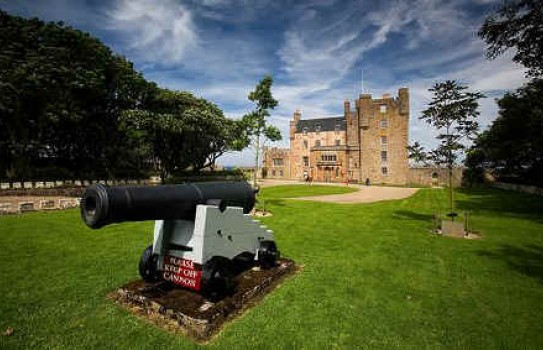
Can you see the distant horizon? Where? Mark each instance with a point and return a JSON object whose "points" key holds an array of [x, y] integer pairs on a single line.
{"points": [[318, 52]]}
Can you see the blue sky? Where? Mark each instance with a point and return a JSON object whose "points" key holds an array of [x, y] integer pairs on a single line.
{"points": [[317, 51]]}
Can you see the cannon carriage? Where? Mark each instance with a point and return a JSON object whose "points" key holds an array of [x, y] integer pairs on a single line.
{"points": [[203, 232]]}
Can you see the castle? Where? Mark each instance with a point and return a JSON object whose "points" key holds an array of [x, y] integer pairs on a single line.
{"points": [[368, 142]]}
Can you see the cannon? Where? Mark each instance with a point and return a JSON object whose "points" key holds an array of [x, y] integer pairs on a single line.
{"points": [[203, 231]]}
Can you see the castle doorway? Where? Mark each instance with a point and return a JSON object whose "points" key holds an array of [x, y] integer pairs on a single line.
{"points": [[435, 179], [327, 174]]}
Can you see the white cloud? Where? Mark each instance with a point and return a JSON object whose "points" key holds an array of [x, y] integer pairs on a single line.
{"points": [[155, 31], [489, 77], [319, 58]]}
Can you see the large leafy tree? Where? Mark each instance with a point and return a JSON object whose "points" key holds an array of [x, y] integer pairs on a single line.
{"points": [[452, 112], [182, 131], [256, 128], [218, 135], [518, 25], [62, 92], [68, 104], [512, 148]]}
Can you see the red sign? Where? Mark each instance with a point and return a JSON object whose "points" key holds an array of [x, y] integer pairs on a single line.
{"points": [[182, 272]]}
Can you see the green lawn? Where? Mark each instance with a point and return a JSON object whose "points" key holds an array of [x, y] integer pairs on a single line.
{"points": [[373, 277], [293, 191]]}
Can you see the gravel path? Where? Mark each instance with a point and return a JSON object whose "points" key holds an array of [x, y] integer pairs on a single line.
{"points": [[365, 194]]}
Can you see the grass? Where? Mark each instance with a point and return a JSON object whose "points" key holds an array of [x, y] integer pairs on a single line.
{"points": [[373, 277], [293, 191]]}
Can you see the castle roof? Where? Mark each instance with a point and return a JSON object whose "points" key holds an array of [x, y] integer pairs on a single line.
{"points": [[326, 124]]}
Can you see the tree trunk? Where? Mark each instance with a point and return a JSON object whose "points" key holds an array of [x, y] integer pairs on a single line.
{"points": [[163, 175], [255, 175], [450, 167], [451, 190]]}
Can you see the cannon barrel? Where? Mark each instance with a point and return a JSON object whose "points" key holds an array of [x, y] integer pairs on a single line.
{"points": [[102, 205]]}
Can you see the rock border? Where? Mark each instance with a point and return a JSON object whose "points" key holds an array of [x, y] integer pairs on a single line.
{"points": [[201, 320]]}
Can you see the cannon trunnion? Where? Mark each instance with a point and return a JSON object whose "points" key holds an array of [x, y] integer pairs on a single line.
{"points": [[202, 230]]}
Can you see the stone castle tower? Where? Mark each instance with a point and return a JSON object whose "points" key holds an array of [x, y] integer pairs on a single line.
{"points": [[368, 141]]}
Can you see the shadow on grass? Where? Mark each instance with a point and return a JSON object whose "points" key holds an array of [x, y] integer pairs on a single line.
{"points": [[513, 203], [411, 215], [271, 201], [527, 260]]}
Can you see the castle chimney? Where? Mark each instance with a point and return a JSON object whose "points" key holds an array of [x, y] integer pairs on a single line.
{"points": [[347, 107], [297, 115], [295, 119], [403, 95]]}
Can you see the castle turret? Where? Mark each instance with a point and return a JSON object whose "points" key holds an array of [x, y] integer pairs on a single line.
{"points": [[295, 119]]}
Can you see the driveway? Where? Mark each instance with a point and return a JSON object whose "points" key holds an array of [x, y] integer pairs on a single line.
{"points": [[365, 194]]}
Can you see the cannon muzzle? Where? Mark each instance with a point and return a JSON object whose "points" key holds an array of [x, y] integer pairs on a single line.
{"points": [[102, 205]]}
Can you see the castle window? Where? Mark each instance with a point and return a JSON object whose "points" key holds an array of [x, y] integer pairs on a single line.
{"points": [[305, 144], [384, 140], [304, 130], [383, 108], [280, 172], [384, 156], [337, 142], [306, 161], [384, 170], [383, 123], [317, 143], [273, 172], [337, 172], [329, 158], [277, 161], [317, 127]]}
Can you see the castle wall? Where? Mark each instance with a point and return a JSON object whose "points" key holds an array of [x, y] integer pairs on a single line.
{"points": [[431, 176], [270, 168], [383, 139], [314, 168]]}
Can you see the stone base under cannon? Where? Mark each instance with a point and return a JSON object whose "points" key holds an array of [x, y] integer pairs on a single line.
{"points": [[186, 312]]}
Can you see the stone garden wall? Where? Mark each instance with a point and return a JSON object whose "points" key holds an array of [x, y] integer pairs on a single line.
{"points": [[519, 188], [21, 197]]}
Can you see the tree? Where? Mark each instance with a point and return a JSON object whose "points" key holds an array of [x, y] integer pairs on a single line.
{"points": [[256, 129], [418, 153], [453, 112], [182, 131], [213, 133], [61, 96], [518, 24], [512, 148]]}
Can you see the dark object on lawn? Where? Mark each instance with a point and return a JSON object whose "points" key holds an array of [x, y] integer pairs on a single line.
{"points": [[201, 230], [452, 215]]}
